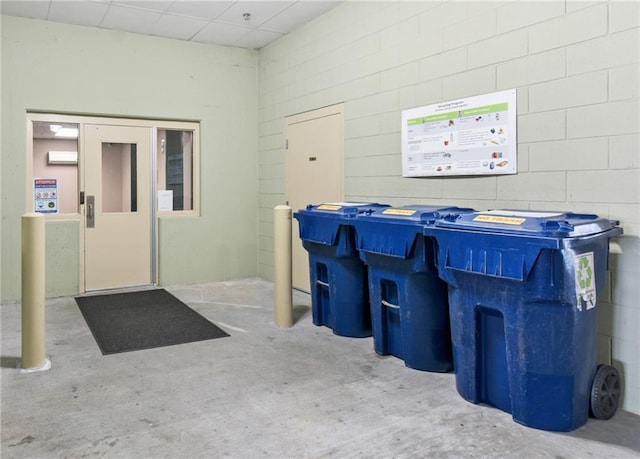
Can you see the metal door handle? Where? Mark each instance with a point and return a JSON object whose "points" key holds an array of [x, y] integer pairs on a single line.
{"points": [[91, 221]]}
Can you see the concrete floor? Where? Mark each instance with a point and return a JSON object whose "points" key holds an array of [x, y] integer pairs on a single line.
{"points": [[301, 392]]}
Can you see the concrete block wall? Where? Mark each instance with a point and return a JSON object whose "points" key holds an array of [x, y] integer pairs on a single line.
{"points": [[575, 65]]}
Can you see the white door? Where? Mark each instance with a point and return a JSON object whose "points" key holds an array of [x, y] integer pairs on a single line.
{"points": [[315, 172], [117, 186]]}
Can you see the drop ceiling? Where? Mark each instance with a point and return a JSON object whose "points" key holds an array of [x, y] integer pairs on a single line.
{"points": [[240, 23]]}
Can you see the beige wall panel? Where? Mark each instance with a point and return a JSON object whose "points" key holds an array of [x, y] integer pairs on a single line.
{"points": [[314, 172]]}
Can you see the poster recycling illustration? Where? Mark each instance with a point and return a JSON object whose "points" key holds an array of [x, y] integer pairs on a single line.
{"points": [[471, 136]]}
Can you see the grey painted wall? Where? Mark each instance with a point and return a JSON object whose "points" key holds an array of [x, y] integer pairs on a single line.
{"points": [[575, 67], [78, 70]]}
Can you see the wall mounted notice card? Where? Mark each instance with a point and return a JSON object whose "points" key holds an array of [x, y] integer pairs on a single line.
{"points": [[45, 195], [165, 200], [471, 136]]}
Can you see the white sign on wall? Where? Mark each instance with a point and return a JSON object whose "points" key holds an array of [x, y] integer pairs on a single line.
{"points": [[165, 200], [471, 136]]}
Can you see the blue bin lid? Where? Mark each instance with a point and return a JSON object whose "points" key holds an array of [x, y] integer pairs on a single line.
{"points": [[321, 222], [340, 209], [415, 214], [529, 223], [392, 231]]}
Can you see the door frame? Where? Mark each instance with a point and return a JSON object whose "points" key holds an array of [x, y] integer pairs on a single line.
{"points": [[80, 216]]}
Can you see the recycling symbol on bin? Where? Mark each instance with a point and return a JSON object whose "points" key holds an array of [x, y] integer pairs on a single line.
{"points": [[585, 273], [585, 285]]}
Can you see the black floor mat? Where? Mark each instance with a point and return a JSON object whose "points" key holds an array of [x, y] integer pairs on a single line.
{"points": [[123, 322]]}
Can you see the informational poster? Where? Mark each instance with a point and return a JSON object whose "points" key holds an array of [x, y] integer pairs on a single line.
{"points": [[471, 136], [165, 200], [45, 195]]}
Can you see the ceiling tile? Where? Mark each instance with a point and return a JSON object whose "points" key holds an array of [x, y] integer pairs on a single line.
{"points": [[129, 19], [178, 27], [222, 34], [181, 19], [155, 5], [256, 39], [298, 14], [37, 9], [199, 8], [260, 12], [81, 13]]}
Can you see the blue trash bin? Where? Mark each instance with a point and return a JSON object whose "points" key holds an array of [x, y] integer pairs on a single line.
{"points": [[409, 308], [523, 309], [338, 278]]}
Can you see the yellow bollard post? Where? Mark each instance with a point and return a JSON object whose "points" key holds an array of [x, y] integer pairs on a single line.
{"points": [[33, 292], [282, 266]]}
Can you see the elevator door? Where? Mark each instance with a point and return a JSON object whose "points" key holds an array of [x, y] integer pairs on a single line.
{"points": [[117, 223], [315, 172]]}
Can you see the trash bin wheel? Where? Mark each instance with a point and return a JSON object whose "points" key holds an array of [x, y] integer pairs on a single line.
{"points": [[605, 392]]}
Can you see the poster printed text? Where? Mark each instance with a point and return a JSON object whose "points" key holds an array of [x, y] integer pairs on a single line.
{"points": [[45, 195], [472, 136]]}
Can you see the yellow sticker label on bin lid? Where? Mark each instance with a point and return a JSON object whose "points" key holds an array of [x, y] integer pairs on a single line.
{"points": [[329, 207], [403, 212], [500, 219]]}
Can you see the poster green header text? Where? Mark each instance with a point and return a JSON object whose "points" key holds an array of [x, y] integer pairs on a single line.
{"points": [[502, 107]]}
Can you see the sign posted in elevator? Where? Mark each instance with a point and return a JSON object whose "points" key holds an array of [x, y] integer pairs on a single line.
{"points": [[471, 136]]}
